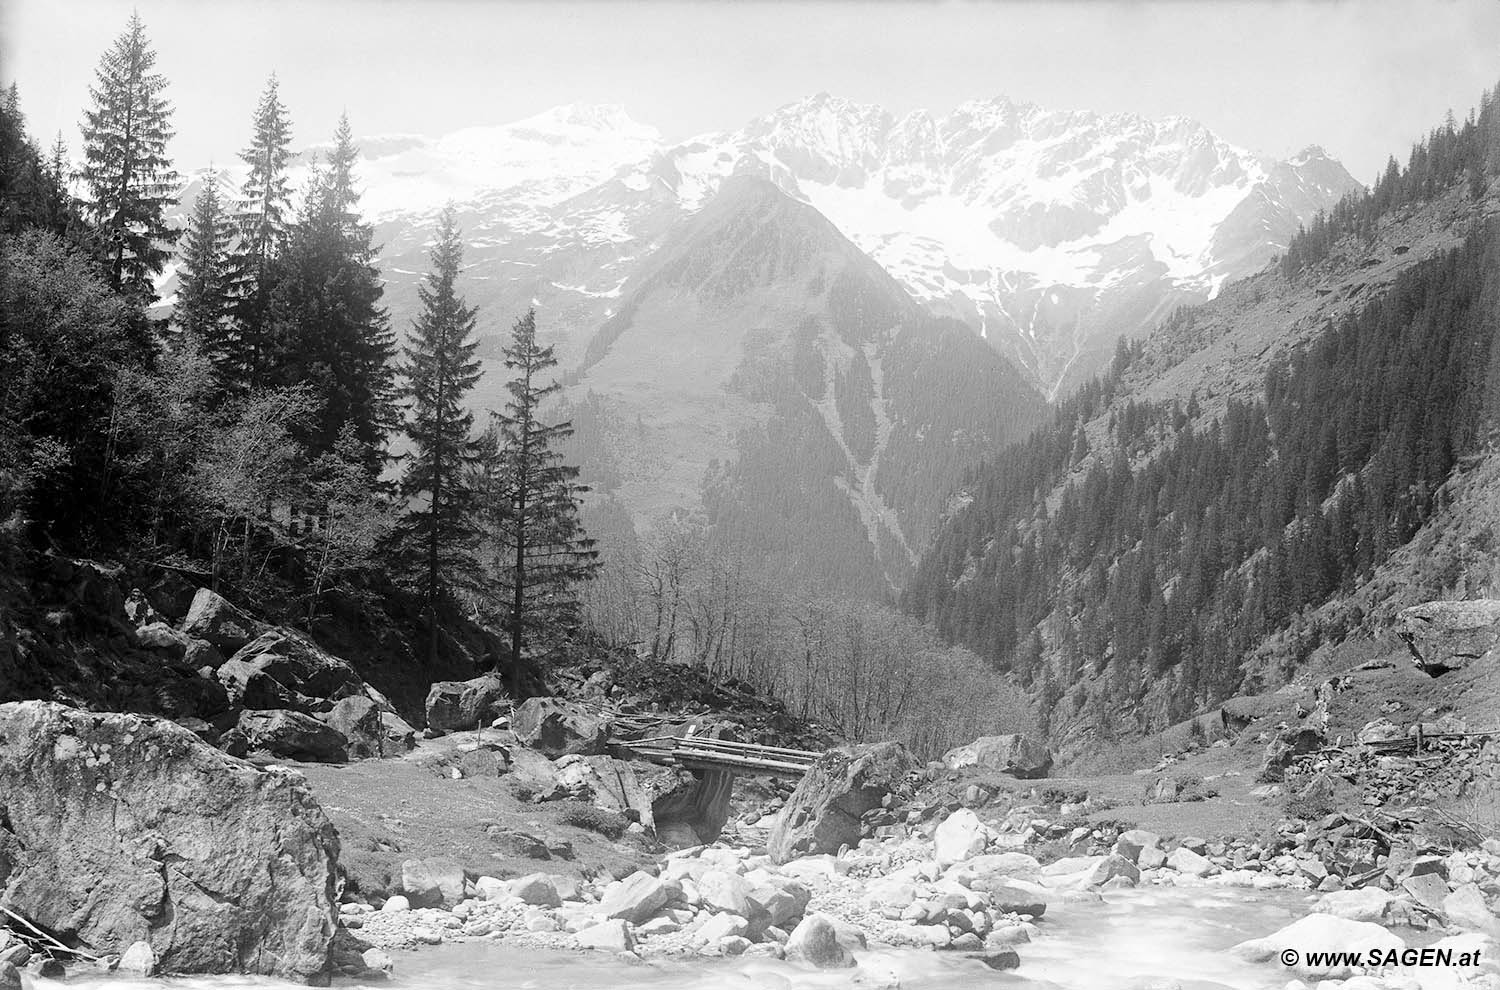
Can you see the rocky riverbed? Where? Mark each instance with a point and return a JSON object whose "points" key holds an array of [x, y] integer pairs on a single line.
{"points": [[944, 910]]}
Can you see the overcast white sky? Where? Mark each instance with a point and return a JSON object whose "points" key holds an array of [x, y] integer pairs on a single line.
{"points": [[1363, 79]]}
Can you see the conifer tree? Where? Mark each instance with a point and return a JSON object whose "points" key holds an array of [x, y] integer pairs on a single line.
{"points": [[329, 326], [204, 279], [531, 502], [440, 369], [262, 219], [126, 172]]}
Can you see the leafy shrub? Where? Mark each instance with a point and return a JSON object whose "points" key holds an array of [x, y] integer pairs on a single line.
{"points": [[1062, 795], [1192, 788], [609, 824]]}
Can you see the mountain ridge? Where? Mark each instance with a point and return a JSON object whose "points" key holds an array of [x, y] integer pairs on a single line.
{"points": [[1050, 233]]}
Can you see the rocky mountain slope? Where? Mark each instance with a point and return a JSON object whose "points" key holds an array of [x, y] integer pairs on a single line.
{"points": [[761, 347], [1050, 232], [1256, 488]]}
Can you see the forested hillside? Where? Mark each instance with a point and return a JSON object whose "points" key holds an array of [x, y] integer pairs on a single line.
{"points": [[1127, 558], [243, 443]]}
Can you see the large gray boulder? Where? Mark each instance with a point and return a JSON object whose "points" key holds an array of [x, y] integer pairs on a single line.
{"points": [[1284, 748], [293, 736], [371, 730], [1015, 754], [638, 897], [434, 882], [1444, 636], [117, 829], [824, 811], [283, 669], [554, 727], [211, 617], [815, 940], [458, 706]]}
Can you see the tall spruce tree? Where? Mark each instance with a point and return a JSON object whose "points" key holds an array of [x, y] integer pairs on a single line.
{"points": [[204, 278], [263, 218], [128, 177], [540, 552], [440, 369], [329, 327]]}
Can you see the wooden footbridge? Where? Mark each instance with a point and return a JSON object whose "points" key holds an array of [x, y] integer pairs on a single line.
{"points": [[703, 753]]}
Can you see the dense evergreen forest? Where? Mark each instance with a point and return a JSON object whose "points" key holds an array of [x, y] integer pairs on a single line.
{"points": [[1188, 539], [246, 440]]}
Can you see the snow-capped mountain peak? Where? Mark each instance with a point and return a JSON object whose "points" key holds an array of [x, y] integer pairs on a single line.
{"points": [[1030, 224], [1051, 232]]}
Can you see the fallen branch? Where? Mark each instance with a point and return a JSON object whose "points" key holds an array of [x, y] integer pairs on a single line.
{"points": [[43, 936]]}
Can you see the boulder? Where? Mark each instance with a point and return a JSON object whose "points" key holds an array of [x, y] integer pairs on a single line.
{"points": [[138, 960], [780, 902], [1015, 754], [1286, 746], [536, 889], [293, 736], [725, 892], [516, 843], [434, 882], [284, 669], [358, 721], [722, 926], [1132, 842], [1184, 860], [214, 619], [1466, 909], [815, 940], [555, 727], [1428, 890], [178, 691], [1006, 864], [960, 836], [1320, 933], [1114, 866], [10, 977], [201, 653], [1379, 731], [998, 958], [371, 728], [1444, 636], [122, 829], [824, 812], [163, 638], [604, 782], [1359, 904], [638, 897], [460, 706], [613, 935], [1010, 898]]}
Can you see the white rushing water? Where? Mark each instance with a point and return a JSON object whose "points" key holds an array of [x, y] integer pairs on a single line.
{"points": [[1149, 939]]}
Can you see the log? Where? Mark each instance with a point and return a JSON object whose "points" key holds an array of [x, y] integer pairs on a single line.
{"points": [[726, 760]]}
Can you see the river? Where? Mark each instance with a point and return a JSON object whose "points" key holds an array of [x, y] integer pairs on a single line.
{"points": [[1148, 939]]}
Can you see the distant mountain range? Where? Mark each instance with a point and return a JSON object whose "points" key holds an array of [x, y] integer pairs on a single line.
{"points": [[863, 305], [1051, 233]]}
